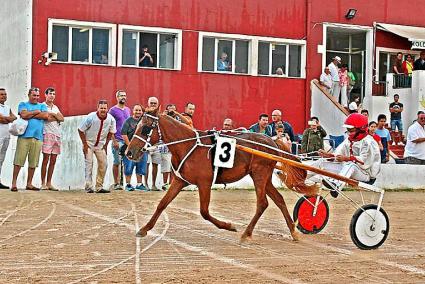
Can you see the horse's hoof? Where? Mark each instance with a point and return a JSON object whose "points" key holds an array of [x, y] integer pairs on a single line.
{"points": [[295, 236], [232, 228], [245, 238], [141, 233]]}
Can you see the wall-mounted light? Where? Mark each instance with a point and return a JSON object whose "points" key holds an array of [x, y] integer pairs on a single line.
{"points": [[351, 14]]}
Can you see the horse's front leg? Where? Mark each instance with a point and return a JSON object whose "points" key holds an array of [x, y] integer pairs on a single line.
{"points": [[175, 187], [204, 199]]}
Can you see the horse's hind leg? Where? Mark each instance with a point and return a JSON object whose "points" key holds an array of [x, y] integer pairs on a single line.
{"points": [[277, 198], [175, 187], [204, 199], [260, 181]]}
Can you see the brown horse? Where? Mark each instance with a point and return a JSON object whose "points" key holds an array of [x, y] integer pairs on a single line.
{"points": [[198, 170]]}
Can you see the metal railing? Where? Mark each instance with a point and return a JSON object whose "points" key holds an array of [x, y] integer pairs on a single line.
{"points": [[402, 81]]}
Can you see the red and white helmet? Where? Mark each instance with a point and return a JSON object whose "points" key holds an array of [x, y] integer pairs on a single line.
{"points": [[360, 123]]}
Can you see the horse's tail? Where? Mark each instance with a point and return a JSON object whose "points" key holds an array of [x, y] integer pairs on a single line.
{"points": [[293, 177]]}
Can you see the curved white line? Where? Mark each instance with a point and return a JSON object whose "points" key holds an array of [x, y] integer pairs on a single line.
{"points": [[19, 207], [33, 227], [137, 261]]}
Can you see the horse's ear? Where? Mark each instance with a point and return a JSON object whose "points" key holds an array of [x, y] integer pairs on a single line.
{"points": [[143, 108], [158, 109]]}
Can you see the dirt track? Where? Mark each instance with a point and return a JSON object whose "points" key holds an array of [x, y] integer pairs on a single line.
{"points": [[73, 237]]}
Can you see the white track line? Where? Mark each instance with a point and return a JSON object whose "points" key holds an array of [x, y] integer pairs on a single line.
{"points": [[137, 261], [128, 226], [404, 267], [33, 227], [19, 207], [184, 245]]}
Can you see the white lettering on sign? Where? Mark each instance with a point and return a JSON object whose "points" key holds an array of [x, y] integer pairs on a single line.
{"points": [[225, 152], [418, 44]]}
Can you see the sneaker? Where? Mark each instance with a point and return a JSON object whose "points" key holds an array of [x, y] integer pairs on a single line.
{"points": [[142, 187], [332, 186], [165, 187], [2, 186], [400, 143], [43, 187], [154, 188], [393, 144], [89, 190], [101, 190], [129, 187], [117, 186]]}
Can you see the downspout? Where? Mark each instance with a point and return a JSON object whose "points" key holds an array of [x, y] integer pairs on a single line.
{"points": [[307, 64]]}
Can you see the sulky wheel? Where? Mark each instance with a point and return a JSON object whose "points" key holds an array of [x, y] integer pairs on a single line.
{"points": [[367, 233], [303, 212]]}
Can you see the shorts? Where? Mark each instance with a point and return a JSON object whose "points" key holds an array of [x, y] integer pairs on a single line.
{"points": [[116, 153], [165, 162], [154, 158], [51, 144], [140, 166], [397, 123], [27, 147]]}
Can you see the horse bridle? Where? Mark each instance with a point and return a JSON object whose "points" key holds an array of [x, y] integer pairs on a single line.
{"points": [[148, 132]]}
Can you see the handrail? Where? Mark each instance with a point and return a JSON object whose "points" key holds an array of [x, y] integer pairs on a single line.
{"points": [[330, 97]]}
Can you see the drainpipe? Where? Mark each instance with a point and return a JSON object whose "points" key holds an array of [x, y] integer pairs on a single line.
{"points": [[307, 65]]}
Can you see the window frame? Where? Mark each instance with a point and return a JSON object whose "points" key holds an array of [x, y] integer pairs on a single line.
{"points": [[156, 30], [84, 25], [252, 53]]}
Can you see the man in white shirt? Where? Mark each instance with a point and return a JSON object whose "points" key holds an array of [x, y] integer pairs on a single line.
{"points": [[333, 69], [326, 79], [95, 132], [6, 117], [414, 151], [51, 140]]}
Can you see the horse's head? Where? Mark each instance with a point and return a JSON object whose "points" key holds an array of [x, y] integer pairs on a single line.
{"points": [[147, 134]]}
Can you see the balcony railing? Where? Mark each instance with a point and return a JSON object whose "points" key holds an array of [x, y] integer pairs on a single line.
{"points": [[402, 81]]}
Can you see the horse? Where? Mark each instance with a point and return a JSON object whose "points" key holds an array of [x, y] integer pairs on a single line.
{"points": [[197, 168]]}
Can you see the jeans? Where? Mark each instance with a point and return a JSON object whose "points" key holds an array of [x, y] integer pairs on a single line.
{"points": [[398, 123]]}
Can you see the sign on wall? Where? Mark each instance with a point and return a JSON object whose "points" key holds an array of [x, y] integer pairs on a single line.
{"points": [[418, 44]]}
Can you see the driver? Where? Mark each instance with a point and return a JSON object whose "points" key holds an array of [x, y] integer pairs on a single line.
{"points": [[358, 157]]}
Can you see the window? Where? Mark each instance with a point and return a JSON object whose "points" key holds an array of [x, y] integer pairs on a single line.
{"points": [[279, 59], [251, 55], [225, 55], [149, 47], [82, 42]]}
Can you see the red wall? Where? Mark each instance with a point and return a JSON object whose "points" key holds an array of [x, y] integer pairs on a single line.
{"points": [[216, 96]]}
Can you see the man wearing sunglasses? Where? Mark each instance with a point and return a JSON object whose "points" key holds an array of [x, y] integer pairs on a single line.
{"points": [[30, 142], [414, 151]]}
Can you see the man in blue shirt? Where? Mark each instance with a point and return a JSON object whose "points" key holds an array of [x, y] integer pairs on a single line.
{"points": [[29, 144], [382, 132]]}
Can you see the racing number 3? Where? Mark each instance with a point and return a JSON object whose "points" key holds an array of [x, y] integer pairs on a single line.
{"points": [[225, 156]]}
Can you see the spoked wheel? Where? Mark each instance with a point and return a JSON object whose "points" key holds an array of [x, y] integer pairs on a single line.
{"points": [[303, 212], [366, 232]]}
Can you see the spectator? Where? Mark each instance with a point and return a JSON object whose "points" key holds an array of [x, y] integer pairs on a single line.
{"points": [[146, 60], [396, 123], [223, 63], [415, 148], [343, 82], [418, 114], [355, 105], [6, 117], [127, 132], [276, 118], [51, 140], [419, 63], [372, 129], [120, 112], [398, 64], [385, 137], [165, 165], [228, 124], [313, 137], [171, 110], [365, 112], [326, 79], [279, 71], [282, 138], [29, 144], [262, 125], [351, 82], [407, 66], [154, 157], [189, 110], [95, 132], [333, 68]]}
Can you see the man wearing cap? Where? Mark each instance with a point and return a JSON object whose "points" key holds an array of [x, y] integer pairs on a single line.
{"points": [[333, 69]]}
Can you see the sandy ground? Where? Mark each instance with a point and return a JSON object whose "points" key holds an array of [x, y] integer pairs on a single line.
{"points": [[73, 237]]}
